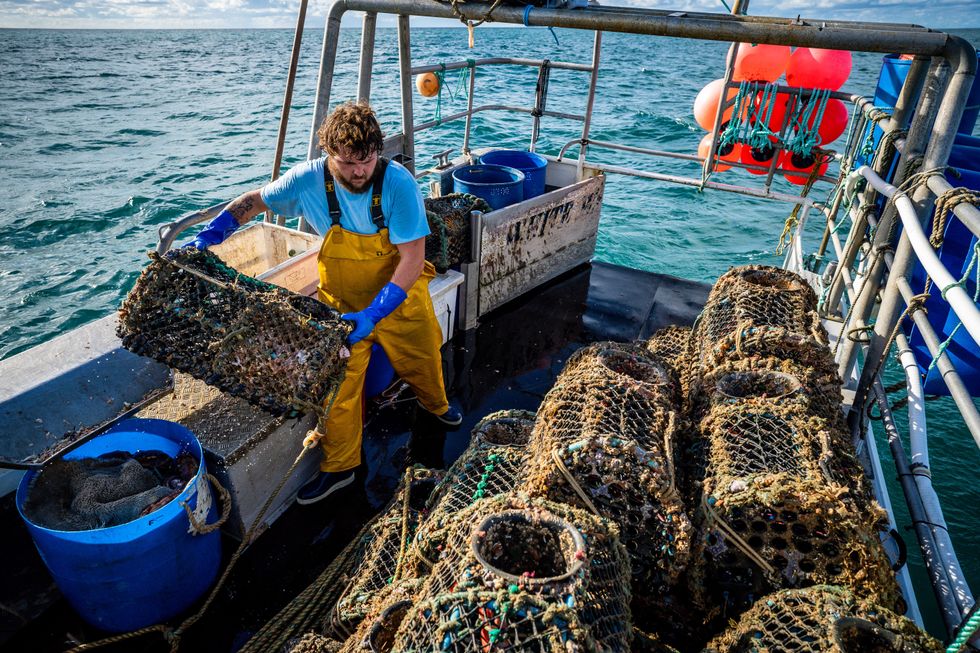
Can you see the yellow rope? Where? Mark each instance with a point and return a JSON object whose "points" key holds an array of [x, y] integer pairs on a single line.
{"points": [[730, 534]]}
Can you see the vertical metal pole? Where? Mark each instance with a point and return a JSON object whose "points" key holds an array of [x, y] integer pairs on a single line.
{"points": [[288, 100], [331, 35], [709, 162], [540, 102], [596, 52], [367, 57], [469, 111], [940, 142], [405, 70]]}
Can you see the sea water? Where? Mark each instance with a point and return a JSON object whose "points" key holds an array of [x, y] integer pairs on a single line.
{"points": [[107, 135]]}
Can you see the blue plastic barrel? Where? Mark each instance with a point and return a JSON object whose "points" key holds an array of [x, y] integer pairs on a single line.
{"points": [[500, 186], [894, 70], [379, 374], [136, 574], [532, 165]]}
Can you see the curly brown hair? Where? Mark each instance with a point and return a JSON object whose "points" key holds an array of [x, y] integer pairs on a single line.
{"points": [[352, 128]]}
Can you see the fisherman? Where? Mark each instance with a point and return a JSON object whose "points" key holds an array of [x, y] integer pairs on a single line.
{"points": [[372, 267]]}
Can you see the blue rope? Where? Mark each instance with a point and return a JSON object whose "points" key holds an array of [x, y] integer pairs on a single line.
{"points": [[527, 13]]}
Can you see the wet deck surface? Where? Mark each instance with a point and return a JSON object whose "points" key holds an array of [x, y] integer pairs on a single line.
{"points": [[509, 361]]}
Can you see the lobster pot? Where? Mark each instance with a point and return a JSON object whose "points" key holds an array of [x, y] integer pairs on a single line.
{"points": [[630, 486], [523, 574], [313, 643], [672, 346], [385, 555], [822, 618], [771, 381], [448, 242], [377, 630], [762, 436], [280, 351], [771, 531], [491, 465], [755, 297], [608, 388]]}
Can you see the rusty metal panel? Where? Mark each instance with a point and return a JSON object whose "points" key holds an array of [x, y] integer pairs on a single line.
{"points": [[527, 244]]}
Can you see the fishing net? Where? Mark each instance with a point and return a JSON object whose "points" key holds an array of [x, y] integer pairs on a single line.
{"points": [[603, 441], [385, 556], [491, 465], [115, 488], [377, 631], [750, 299], [448, 242], [672, 346], [769, 531], [523, 574], [313, 643], [822, 619], [281, 351]]}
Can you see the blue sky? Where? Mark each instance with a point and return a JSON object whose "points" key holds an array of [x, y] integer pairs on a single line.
{"points": [[282, 13]]}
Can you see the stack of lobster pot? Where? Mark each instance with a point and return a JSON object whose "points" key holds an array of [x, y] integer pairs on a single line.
{"points": [[603, 442], [782, 501], [386, 553], [822, 618], [523, 574], [491, 465]]}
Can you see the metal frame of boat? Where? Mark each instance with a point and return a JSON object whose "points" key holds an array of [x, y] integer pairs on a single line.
{"points": [[921, 128]]}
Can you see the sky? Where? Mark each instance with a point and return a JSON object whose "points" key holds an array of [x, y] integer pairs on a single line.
{"points": [[169, 14]]}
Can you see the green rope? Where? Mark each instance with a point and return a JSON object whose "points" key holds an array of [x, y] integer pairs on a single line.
{"points": [[969, 629], [459, 92], [805, 119], [976, 295]]}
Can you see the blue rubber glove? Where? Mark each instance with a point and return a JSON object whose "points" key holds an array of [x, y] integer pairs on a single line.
{"points": [[216, 232], [385, 302]]}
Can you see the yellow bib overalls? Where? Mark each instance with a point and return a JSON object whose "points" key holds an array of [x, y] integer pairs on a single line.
{"points": [[353, 269]]}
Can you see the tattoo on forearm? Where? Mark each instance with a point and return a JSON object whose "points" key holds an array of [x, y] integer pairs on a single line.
{"points": [[242, 207]]}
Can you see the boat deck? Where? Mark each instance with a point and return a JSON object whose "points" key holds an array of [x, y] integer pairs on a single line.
{"points": [[509, 361]]}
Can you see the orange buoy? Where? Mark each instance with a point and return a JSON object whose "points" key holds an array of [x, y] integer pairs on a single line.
{"points": [[760, 157], [817, 68], [797, 168], [706, 104], [427, 84], [730, 152], [760, 63], [781, 105]]}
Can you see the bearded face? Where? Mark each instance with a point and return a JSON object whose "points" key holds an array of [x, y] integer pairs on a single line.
{"points": [[353, 173]]}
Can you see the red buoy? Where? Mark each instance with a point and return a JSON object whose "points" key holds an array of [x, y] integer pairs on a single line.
{"points": [[706, 104], [759, 156], [730, 152], [816, 68], [797, 168], [760, 63]]}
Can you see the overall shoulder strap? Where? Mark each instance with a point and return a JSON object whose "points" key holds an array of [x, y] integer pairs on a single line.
{"points": [[377, 216], [333, 205]]}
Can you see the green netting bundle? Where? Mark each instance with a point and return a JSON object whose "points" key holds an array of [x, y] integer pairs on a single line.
{"points": [[762, 532], [491, 465], [281, 351], [448, 242], [821, 619], [525, 575], [385, 558], [604, 442]]}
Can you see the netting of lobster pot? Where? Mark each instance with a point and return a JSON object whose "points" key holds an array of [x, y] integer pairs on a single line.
{"points": [[603, 441], [448, 242], [769, 531], [377, 630], [671, 345], [761, 421], [313, 643], [523, 574], [280, 351], [492, 464], [821, 619], [385, 558], [752, 298], [774, 380]]}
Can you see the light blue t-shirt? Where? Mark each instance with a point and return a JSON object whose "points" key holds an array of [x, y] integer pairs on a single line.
{"points": [[300, 193]]}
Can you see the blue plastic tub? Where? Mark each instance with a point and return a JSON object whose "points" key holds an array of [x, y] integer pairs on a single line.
{"points": [[148, 570], [532, 165], [500, 186]]}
